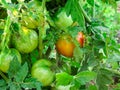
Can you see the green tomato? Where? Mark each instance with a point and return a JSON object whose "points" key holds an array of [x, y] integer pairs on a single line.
{"points": [[42, 63], [6, 57], [26, 41], [42, 72], [63, 21]]}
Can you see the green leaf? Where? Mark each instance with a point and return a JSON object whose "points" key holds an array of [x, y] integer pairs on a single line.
{"points": [[113, 58], [75, 85], [64, 87], [3, 88], [117, 87], [14, 86], [85, 76], [91, 2], [104, 78], [63, 79], [78, 54], [92, 87], [3, 85], [31, 83], [34, 55], [73, 7], [38, 2], [22, 73], [111, 2], [38, 86], [3, 15], [15, 27], [14, 67], [92, 62]]}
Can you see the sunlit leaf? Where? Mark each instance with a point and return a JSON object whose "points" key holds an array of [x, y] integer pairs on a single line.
{"points": [[85, 76], [105, 77], [22, 73], [91, 2], [73, 8], [63, 79], [14, 67]]}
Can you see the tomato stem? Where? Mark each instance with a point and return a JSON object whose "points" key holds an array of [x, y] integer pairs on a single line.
{"points": [[40, 44], [113, 71], [43, 5], [93, 9], [6, 34], [3, 76], [85, 14], [42, 28]]}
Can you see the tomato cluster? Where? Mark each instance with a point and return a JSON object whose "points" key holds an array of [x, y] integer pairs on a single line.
{"points": [[26, 39], [65, 44]]}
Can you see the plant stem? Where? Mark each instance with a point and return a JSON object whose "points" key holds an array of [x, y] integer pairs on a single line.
{"points": [[113, 71], [41, 29], [43, 5], [85, 14], [40, 43], [6, 34], [93, 10], [3, 76]]}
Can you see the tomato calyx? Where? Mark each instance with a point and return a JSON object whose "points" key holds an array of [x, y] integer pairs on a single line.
{"points": [[62, 21], [65, 44]]}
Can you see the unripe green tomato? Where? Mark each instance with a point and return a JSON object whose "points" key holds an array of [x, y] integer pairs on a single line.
{"points": [[63, 21], [42, 63], [26, 41], [6, 57], [42, 72]]}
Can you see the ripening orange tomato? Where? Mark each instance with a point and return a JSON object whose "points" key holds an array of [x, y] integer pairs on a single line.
{"points": [[65, 45]]}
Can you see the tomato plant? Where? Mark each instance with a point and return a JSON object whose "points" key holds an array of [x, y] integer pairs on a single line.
{"points": [[65, 45], [59, 45], [41, 71]]}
